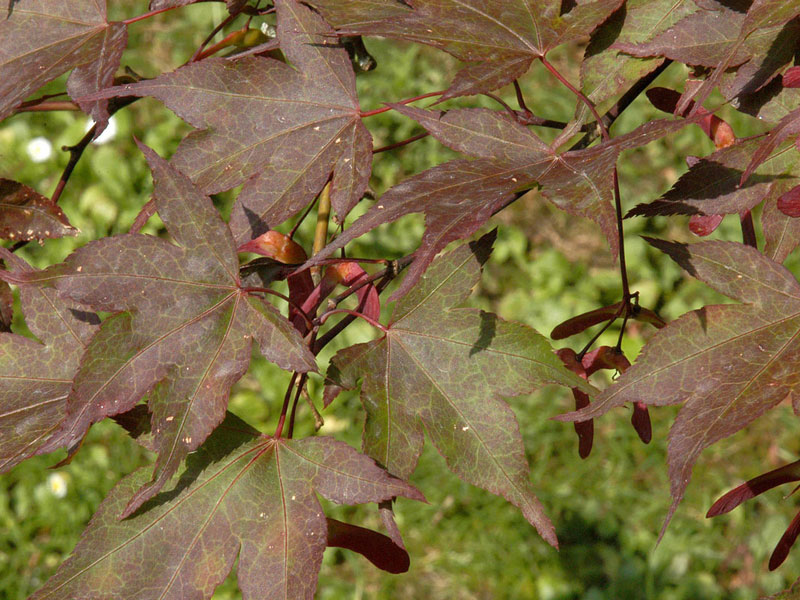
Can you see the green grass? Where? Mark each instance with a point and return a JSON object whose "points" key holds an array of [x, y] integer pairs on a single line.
{"points": [[547, 266]]}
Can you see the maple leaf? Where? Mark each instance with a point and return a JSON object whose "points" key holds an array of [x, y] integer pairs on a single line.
{"points": [[789, 126], [304, 124], [781, 232], [712, 185], [728, 364], [767, 15], [501, 37], [35, 378], [442, 369], [706, 37], [459, 196], [27, 215], [239, 494], [605, 70], [350, 14], [41, 39], [187, 332]]}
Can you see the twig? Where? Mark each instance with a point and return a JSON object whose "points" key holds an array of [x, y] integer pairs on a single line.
{"points": [[624, 102], [354, 313], [285, 408], [48, 106], [578, 94], [147, 15], [413, 138], [378, 111], [210, 36]]}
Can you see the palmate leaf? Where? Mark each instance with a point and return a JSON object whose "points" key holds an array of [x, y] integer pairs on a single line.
{"points": [[357, 13], [41, 39], [35, 378], [240, 494], [788, 127], [442, 370], [27, 215], [459, 196], [302, 124], [781, 232], [187, 334], [712, 185], [500, 37], [728, 364], [706, 37], [605, 70], [767, 15]]}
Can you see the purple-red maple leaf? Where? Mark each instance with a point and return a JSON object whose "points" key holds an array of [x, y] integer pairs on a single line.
{"points": [[41, 39], [728, 364], [27, 215], [500, 38], [181, 330], [301, 123], [459, 196], [36, 377], [442, 370], [242, 494]]}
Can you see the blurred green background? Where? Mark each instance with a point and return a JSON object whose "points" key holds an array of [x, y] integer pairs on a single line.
{"points": [[547, 266]]}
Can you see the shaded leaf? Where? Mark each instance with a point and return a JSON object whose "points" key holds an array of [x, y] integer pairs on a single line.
{"points": [[187, 336], [763, 17], [605, 70], [788, 126], [728, 364], [771, 103], [770, 55], [27, 215], [240, 494], [304, 124], [6, 307], [35, 378], [501, 38], [781, 232], [41, 39], [443, 370], [711, 186], [713, 36], [703, 37]]}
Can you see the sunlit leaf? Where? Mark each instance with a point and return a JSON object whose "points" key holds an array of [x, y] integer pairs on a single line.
{"points": [[442, 370], [240, 494], [728, 364], [182, 327], [41, 39]]}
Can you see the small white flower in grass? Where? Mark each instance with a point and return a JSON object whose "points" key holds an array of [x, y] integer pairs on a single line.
{"points": [[57, 484], [109, 133], [39, 149]]}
